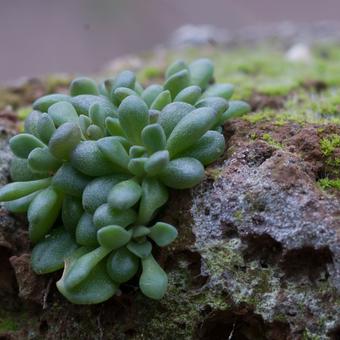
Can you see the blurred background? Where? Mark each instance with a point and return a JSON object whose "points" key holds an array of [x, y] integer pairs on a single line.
{"points": [[80, 36]]}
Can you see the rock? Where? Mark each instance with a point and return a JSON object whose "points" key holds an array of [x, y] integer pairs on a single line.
{"points": [[299, 53], [31, 286]]}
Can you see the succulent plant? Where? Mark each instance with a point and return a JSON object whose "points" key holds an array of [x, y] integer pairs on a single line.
{"points": [[92, 168]]}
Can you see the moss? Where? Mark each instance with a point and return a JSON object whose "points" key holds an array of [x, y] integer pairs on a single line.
{"points": [[326, 183], [329, 144], [7, 325], [23, 112], [271, 141]]}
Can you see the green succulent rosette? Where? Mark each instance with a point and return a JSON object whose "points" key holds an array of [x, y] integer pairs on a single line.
{"points": [[92, 169]]}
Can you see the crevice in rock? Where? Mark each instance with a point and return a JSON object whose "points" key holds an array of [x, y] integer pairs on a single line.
{"points": [[307, 261], [263, 248], [240, 324], [335, 333], [229, 230]]}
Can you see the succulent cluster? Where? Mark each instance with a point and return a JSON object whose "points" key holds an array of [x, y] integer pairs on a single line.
{"points": [[92, 168]]}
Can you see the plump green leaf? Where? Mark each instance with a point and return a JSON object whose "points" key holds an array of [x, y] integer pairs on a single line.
{"points": [[136, 166], [113, 127], [141, 250], [157, 163], [190, 129], [20, 171], [189, 95], [43, 103], [133, 117], [124, 195], [21, 204], [41, 160], [114, 151], [96, 288], [163, 233], [153, 138], [177, 82], [88, 159], [86, 231], [84, 122], [220, 90], [49, 254], [122, 265], [175, 67], [162, 100], [104, 216], [113, 236], [71, 212], [218, 104], [70, 181], [153, 281], [182, 173], [62, 112], [96, 192], [151, 93], [172, 114], [83, 85], [125, 79], [82, 267], [13, 191], [97, 115], [120, 93], [207, 149], [201, 72], [22, 144], [64, 140], [45, 128], [236, 108], [140, 231], [94, 132], [31, 123], [83, 102], [42, 213], [154, 195], [137, 151]]}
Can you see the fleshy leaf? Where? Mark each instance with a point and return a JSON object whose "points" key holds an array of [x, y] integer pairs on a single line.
{"points": [[64, 140], [207, 149], [21, 204], [86, 231], [236, 108], [83, 85], [70, 181], [151, 93], [201, 72], [220, 90], [133, 117], [96, 192], [153, 138], [182, 173], [122, 265], [172, 114], [163, 233], [62, 112], [43, 103], [41, 160], [175, 67], [104, 216], [45, 127], [154, 195], [71, 212], [22, 144], [113, 236], [124, 195], [190, 129], [141, 250], [163, 99], [13, 191], [177, 82], [42, 213], [153, 281], [189, 95], [157, 163], [49, 254]]}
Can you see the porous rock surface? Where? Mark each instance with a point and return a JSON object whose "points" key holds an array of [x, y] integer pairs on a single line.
{"points": [[257, 255]]}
